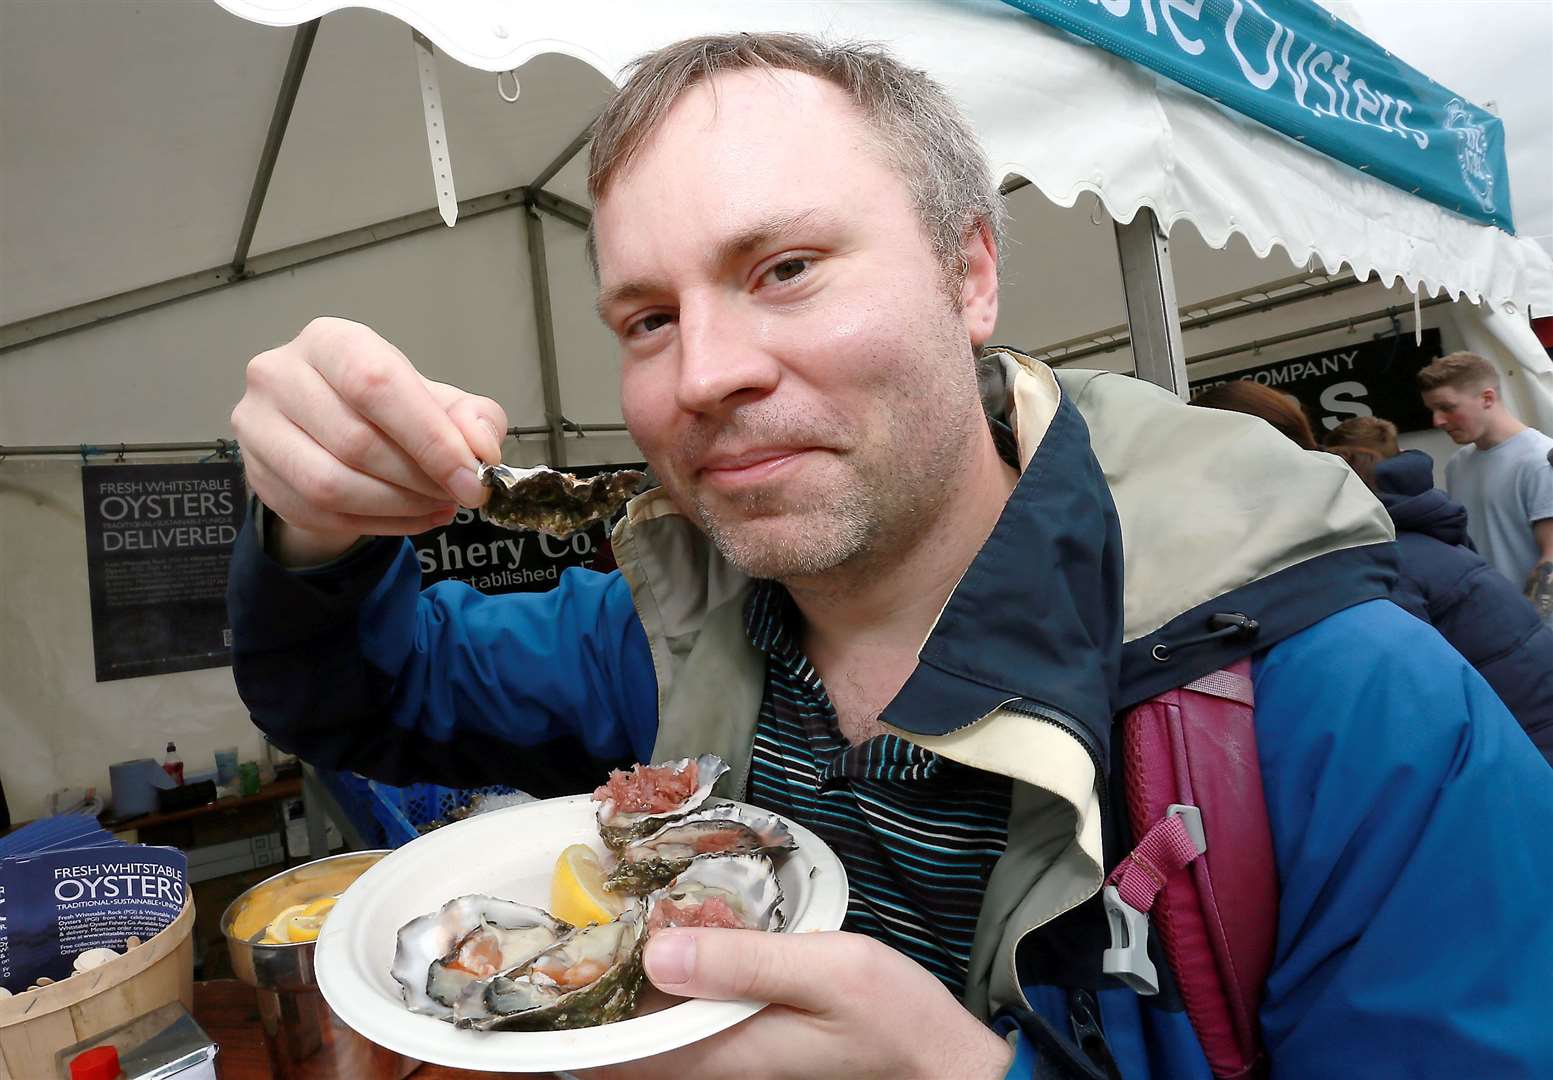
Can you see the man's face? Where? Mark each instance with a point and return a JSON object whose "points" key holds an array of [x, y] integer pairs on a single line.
{"points": [[794, 365], [1461, 413]]}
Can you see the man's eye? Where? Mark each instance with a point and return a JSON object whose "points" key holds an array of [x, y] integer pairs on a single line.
{"points": [[648, 323], [788, 269]]}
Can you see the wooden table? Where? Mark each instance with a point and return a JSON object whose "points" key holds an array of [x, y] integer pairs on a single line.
{"points": [[229, 1013]]}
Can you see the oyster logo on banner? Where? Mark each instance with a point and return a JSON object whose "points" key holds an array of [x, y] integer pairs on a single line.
{"points": [[1367, 378], [497, 560], [158, 541], [1300, 70]]}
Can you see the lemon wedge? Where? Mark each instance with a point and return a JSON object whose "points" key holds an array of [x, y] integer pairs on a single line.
{"points": [[299, 922], [577, 892]]}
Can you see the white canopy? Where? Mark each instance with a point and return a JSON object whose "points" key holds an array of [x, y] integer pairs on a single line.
{"points": [[1065, 116]]}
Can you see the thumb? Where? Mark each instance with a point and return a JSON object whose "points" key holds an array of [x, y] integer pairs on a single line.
{"points": [[749, 965]]}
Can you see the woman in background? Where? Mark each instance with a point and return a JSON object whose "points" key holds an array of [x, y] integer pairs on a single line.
{"points": [[1280, 410]]}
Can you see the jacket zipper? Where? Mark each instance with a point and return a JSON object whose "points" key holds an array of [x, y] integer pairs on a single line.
{"points": [[1072, 727], [1084, 1018]]}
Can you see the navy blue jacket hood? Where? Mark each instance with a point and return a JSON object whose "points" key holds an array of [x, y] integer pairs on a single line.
{"points": [[1408, 493]]}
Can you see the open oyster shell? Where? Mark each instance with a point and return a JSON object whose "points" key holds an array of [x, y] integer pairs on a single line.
{"points": [[592, 976], [619, 827], [467, 941], [553, 502], [740, 891], [715, 832]]}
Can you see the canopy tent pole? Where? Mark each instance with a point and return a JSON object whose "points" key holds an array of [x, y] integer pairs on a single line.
{"points": [[544, 326], [1348, 322], [1153, 320], [285, 100], [563, 159]]}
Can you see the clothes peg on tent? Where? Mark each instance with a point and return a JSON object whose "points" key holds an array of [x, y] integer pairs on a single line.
{"points": [[436, 128], [1418, 321]]}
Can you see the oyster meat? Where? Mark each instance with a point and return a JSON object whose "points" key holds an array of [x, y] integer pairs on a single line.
{"points": [[741, 892], [466, 943], [718, 831], [640, 802], [552, 502], [591, 976]]}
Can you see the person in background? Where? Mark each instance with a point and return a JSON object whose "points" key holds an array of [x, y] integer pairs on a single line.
{"points": [[1448, 585], [1252, 398], [1500, 474], [1367, 432]]}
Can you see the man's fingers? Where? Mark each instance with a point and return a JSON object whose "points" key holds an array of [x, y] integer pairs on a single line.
{"points": [[376, 380], [804, 971], [482, 422], [309, 402], [276, 493]]}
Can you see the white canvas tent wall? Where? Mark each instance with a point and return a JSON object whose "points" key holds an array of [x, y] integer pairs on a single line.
{"points": [[132, 138]]}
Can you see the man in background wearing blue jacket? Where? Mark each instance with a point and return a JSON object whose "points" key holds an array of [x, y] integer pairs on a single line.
{"points": [[899, 606]]}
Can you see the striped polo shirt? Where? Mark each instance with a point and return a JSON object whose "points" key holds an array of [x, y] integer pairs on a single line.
{"points": [[917, 833]]}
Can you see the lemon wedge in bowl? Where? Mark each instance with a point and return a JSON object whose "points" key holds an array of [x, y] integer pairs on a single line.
{"points": [[577, 892], [299, 922]]}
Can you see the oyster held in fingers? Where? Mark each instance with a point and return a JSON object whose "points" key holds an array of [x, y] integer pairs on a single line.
{"points": [[640, 802], [552, 502]]}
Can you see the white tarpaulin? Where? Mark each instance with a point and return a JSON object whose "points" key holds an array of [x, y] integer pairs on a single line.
{"points": [[1067, 117]]}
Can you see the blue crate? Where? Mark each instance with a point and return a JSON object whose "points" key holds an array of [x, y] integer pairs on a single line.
{"points": [[388, 816]]}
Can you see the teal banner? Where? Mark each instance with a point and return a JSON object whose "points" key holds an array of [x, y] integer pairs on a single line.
{"points": [[1302, 71]]}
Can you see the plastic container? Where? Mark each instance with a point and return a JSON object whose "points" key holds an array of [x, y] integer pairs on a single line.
{"points": [[390, 817]]}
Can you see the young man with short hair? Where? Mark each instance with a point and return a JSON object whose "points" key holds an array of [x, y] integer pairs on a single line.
{"points": [[1367, 433], [1501, 474], [896, 598]]}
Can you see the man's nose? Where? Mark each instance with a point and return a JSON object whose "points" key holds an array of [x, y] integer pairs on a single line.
{"points": [[722, 360], [1437, 419]]}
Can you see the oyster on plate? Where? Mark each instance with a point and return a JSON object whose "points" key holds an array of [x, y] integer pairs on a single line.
{"points": [[740, 892], [715, 832], [591, 976], [640, 802], [466, 943], [552, 502]]}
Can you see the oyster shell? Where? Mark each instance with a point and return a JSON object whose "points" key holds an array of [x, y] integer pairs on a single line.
{"points": [[715, 832], [740, 891], [592, 976], [465, 942], [651, 786], [552, 502]]}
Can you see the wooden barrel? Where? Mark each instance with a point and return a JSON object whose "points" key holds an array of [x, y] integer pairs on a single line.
{"points": [[38, 1024]]}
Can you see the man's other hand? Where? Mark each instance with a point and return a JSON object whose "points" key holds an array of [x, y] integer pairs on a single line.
{"points": [[342, 438], [841, 1005]]}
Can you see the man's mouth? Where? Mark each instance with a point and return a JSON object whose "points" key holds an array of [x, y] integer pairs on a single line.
{"points": [[746, 468]]}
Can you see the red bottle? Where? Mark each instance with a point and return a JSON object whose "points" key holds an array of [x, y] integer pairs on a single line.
{"points": [[172, 764]]}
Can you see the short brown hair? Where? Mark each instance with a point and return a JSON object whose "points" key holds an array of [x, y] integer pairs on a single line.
{"points": [[1462, 370], [1247, 396], [1368, 432], [922, 133], [1361, 460]]}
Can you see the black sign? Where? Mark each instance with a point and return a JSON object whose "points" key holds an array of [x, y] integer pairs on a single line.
{"points": [[158, 540], [1364, 378], [498, 560]]}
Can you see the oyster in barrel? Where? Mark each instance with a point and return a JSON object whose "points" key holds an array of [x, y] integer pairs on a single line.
{"points": [[592, 976], [640, 802], [464, 944], [740, 892], [552, 502], [715, 832]]}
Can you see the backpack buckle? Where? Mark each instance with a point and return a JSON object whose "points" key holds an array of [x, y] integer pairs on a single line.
{"points": [[1128, 957]]}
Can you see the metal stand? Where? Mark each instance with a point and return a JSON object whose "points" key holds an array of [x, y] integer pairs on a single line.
{"points": [[1152, 315]]}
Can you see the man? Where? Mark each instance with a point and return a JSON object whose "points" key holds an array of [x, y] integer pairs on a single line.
{"points": [[1501, 474], [904, 623], [1367, 433]]}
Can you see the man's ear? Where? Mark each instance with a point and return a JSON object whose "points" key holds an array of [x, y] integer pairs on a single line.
{"points": [[1490, 397], [979, 288]]}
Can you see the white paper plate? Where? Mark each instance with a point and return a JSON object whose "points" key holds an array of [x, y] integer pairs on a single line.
{"points": [[511, 854]]}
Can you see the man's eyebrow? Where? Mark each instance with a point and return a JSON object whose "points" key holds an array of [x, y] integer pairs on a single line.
{"points": [[740, 244]]}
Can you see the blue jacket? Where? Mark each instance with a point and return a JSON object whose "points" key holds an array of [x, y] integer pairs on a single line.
{"points": [[1481, 613], [1409, 815]]}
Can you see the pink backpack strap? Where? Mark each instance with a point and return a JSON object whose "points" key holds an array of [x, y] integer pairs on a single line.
{"points": [[1202, 873]]}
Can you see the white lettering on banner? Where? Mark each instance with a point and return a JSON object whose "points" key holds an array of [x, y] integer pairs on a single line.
{"points": [[1348, 98], [1333, 401]]}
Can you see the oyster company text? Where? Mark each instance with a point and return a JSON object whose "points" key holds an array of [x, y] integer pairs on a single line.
{"points": [[153, 515], [498, 562]]}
